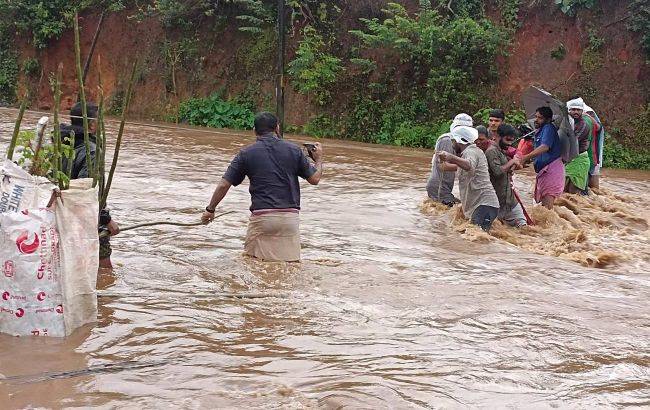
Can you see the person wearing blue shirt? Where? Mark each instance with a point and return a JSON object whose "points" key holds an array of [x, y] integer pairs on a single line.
{"points": [[547, 157]]}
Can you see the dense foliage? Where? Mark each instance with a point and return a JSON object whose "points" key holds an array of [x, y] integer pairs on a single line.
{"points": [[640, 22], [313, 69], [400, 79], [8, 71], [45, 20], [214, 111], [570, 7]]}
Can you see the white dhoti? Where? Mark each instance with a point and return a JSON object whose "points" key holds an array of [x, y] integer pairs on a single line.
{"points": [[274, 236]]}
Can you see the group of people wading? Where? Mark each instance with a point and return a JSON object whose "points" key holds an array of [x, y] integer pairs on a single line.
{"points": [[484, 159]]}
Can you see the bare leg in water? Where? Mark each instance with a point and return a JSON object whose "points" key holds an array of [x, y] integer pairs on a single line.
{"points": [[548, 201], [105, 263]]}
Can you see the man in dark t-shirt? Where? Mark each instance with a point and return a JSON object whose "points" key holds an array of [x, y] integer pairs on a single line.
{"points": [[273, 167], [501, 167]]}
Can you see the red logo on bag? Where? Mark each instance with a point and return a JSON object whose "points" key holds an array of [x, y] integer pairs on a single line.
{"points": [[6, 295], [20, 312], [23, 245], [40, 296], [24, 212], [59, 309], [8, 269]]}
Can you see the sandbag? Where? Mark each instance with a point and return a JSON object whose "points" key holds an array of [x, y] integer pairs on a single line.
{"points": [[76, 213], [32, 300], [50, 259], [20, 190]]}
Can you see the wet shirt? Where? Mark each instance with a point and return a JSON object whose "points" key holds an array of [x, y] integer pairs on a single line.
{"points": [[582, 132], [500, 179], [547, 135], [440, 183], [273, 166], [475, 186]]}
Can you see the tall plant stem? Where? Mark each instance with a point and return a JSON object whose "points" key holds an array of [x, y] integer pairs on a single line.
{"points": [[58, 160], [100, 135], [19, 120], [68, 172], [82, 96], [118, 141]]}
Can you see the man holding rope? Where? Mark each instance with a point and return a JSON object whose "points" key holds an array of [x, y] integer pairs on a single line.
{"points": [[501, 167], [273, 166], [443, 174]]}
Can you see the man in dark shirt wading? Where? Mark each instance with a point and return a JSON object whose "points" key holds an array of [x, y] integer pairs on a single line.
{"points": [[273, 166], [80, 169]]}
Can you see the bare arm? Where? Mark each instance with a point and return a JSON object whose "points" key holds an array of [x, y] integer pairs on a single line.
{"points": [[542, 149], [457, 161], [447, 167], [219, 193], [317, 154], [494, 164], [508, 165]]}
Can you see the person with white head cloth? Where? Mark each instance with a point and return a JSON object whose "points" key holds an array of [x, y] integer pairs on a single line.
{"points": [[480, 202], [441, 180], [586, 131], [577, 170], [594, 172]]}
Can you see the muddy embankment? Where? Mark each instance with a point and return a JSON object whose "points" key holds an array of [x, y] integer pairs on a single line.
{"points": [[614, 79]]}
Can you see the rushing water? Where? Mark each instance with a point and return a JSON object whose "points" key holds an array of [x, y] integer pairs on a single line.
{"points": [[391, 307]]}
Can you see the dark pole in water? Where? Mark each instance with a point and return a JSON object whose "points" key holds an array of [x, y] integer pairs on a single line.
{"points": [[92, 46], [91, 51], [279, 86]]}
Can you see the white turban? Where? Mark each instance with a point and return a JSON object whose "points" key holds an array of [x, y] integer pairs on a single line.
{"points": [[464, 134], [461, 119], [577, 103]]}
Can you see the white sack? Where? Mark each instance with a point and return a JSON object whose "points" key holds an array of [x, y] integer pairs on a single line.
{"points": [[19, 190], [76, 213], [31, 302]]}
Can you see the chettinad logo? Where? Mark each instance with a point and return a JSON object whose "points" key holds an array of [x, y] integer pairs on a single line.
{"points": [[25, 245]]}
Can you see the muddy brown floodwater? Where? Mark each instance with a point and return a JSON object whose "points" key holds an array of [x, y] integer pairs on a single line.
{"points": [[395, 305]]}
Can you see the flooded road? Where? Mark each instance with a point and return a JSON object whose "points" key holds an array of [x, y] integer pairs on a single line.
{"points": [[390, 308]]}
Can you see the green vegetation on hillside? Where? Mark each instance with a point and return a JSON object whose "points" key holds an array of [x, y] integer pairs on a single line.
{"points": [[390, 74]]}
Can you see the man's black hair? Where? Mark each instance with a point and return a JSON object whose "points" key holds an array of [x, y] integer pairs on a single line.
{"points": [[76, 113], [265, 122], [498, 113], [506, 130], [546, 112], [482, 130]]}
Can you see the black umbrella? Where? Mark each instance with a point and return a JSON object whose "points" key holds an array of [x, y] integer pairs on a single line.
{"points": [[534, 98]]}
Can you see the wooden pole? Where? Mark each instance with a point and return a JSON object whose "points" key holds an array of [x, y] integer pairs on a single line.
{"points": [[93, 44], [279, 86]]}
